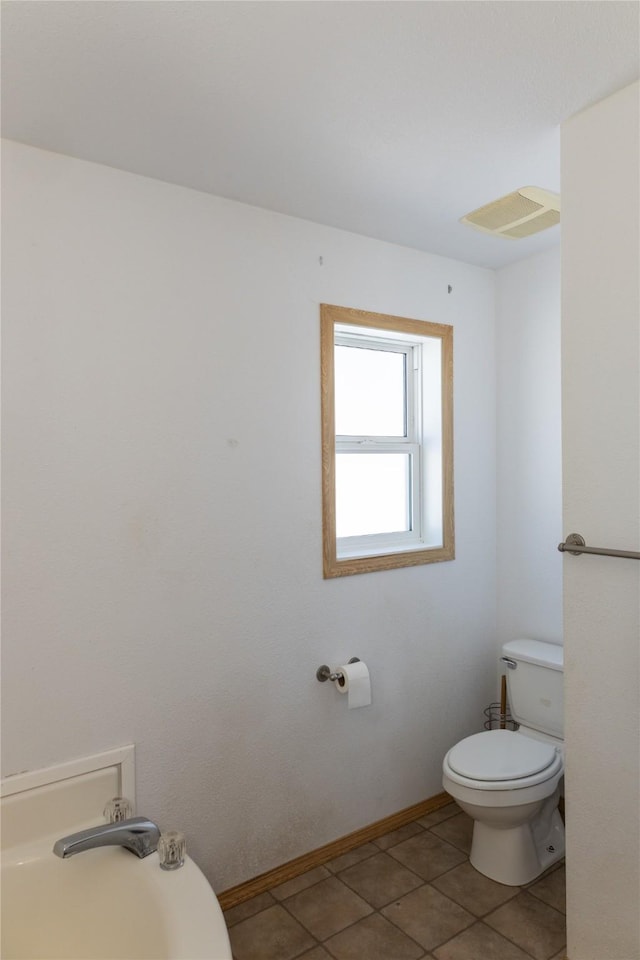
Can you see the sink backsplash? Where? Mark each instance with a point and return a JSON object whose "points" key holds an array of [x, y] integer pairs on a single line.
{"points": [[45, 804]]}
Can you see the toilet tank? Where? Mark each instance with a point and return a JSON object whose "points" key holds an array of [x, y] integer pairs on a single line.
{"points": [[535, 684]]}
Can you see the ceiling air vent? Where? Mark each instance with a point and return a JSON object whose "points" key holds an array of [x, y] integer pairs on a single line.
{"points": [[519, 214]]}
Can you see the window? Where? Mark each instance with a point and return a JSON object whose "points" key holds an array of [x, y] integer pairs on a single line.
{"points": [[387, 441]]}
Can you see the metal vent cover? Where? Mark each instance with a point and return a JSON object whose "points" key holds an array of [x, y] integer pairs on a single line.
{"points": [[519, 214]]}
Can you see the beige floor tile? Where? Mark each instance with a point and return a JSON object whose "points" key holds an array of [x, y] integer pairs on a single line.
{"points": [[380, 879], [554, 866], [248, 908], [534, 926], [327, 907], [443, 813], [352, 856], [428, 916], [551, 889], [270, 935], [473, 890], [373, 939], [457, 830], [448, 910], [397, 836], [427, 855], [479, 942], [318, 953], [287, 889]]}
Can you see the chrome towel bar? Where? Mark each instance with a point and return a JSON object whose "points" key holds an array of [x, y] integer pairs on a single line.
{"points": [[575, 545]]}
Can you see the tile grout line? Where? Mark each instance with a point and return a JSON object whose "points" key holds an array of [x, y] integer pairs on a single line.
{"points": [[377, 910], [426, 954], [346, 883], [476, 918], [374, 910], [424, 829], [429, 953], [506, 937]]}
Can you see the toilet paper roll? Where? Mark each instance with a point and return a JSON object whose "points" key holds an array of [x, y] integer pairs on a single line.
{"points": [[357, 684]]}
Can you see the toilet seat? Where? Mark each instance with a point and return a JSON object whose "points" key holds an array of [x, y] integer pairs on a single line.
{"points": [[502, 760], [500, 755]]}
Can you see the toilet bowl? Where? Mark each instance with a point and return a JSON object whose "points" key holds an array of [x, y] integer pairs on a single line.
{"points": [[510, 785], [508, 781]]}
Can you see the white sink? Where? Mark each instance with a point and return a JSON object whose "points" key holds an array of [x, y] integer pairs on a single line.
{"points": [[106, 904]]}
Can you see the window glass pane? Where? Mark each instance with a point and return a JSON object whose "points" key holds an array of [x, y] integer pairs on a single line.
{"points": [[372, 493], [370, 392]]}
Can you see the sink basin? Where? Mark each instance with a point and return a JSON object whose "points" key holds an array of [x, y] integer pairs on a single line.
{"points": [[106, 904]]}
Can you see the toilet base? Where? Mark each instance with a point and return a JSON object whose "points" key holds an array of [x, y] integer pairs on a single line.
{"points": [[518, 854]]}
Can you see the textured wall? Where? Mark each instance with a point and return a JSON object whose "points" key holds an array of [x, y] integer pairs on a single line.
{"points": [[529, 471], [601, 433], [162, 517]]}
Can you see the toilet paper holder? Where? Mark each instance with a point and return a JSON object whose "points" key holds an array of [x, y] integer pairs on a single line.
{"points": [[324, 673]]}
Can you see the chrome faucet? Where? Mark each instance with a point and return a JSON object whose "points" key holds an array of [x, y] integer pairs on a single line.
{"points": [[137, 834]]}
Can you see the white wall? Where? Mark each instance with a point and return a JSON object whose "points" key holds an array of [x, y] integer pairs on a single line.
{"points": [[601, 433], [529, 468], [162, 514]]}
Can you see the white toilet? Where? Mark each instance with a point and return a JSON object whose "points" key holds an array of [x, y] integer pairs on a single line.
{"points": [[509, 781]]}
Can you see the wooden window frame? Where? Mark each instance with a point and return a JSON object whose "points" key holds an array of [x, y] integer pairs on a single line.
{"points": [[333, 566]]}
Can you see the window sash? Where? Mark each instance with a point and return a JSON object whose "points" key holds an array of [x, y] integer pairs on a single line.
{"points": [[434, 408], [372, 543], [411, 358], [377, 445]]}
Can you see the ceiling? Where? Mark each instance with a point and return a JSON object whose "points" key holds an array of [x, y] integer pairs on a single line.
{"points": [[390, 119]]}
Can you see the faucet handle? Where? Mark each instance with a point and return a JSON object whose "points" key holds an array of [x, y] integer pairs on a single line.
{"points": [[118, 809], [172, 848]]}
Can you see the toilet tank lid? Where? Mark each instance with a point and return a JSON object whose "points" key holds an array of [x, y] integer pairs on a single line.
{"points": [[536, 651]]}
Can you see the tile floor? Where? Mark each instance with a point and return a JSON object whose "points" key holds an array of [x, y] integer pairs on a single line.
{"points": [[409, 895]]}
